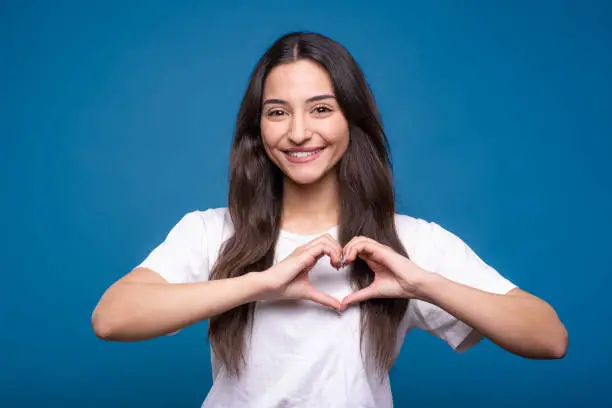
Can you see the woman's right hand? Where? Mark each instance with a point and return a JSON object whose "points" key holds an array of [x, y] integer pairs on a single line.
{"points": [[288, 279]]}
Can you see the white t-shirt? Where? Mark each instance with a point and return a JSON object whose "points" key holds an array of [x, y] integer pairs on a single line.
{"points": [[302, 354]]}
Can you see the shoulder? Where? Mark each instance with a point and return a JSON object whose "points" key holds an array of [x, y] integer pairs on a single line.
{"points": [[412, 229], [423, 238], [208, 220], [408, 224], [204, 216], [424, 230], [219, 215]]}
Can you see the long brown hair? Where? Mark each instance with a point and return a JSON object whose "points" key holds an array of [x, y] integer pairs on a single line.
{"points": [[367, 199]]}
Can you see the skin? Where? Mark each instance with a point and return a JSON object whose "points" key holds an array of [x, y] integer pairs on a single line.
{"points": [[518, 321], [142, 305], [300, 111]]}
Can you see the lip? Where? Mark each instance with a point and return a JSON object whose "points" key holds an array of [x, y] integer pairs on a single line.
{"points": [[305, 159], [304, 149]]}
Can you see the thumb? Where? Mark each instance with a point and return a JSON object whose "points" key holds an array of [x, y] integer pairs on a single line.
{"points": [[322, 298], [359, 296]]}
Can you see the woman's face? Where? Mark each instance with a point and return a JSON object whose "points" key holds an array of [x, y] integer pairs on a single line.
{"points": [[303, 129]]}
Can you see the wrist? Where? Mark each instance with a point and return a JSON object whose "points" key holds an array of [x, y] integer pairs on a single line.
{"points": [[259, 286], [424, 284]]}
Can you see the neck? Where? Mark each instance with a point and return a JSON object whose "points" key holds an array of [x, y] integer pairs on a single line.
{"points": [[311, 208]]}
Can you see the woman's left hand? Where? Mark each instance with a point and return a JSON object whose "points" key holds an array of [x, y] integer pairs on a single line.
{"points": [[395, 276]]}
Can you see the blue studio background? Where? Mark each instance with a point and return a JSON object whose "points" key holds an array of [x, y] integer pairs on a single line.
{"points": [[116, 119]]}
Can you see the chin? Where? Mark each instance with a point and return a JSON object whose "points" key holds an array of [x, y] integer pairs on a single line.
{"points": [[305, 178]]}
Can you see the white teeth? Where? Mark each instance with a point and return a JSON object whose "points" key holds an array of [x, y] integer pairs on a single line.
{"points": [[303, 154]]}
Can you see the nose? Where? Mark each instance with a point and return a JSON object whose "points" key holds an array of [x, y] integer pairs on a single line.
{"points": [[297, 132]]}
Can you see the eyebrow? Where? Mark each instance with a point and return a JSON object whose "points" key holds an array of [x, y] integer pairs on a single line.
{"points": [[309, 100]]}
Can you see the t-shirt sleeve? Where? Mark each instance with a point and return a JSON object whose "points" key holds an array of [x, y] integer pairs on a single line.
{"points": [[445, 253], [182, 256]]}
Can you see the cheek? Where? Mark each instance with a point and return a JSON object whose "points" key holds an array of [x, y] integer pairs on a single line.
{"points": [[336, 132], [271, 134]]}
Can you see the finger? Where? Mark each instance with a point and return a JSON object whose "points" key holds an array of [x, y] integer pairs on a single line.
{"points": [[310, 255], [326, 246], [362, 246], [325, 238], [336, 260], [348, 248], [359, 296], [322, 298]]}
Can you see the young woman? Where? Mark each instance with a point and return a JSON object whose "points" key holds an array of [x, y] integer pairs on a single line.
{"points": [[309, 279]]}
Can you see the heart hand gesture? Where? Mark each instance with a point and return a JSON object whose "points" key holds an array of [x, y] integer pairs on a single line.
{"points": [[288, 279], [394, 274]]}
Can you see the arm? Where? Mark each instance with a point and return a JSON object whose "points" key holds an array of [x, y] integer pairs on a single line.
{"points": [[142, 305], [518, 321], [449, 307]]}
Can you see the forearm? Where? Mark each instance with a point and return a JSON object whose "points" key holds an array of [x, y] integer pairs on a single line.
{"points": [[131, 311], [522, 324]]}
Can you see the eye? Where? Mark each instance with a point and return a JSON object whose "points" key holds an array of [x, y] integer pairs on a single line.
{"points": [[321, 109], [275, 112]]}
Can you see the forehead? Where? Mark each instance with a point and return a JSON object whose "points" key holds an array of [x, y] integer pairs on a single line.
{"points": [[297, 80]]}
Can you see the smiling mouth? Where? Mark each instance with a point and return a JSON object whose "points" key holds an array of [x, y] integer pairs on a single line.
{"points": [[302, 154]]}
